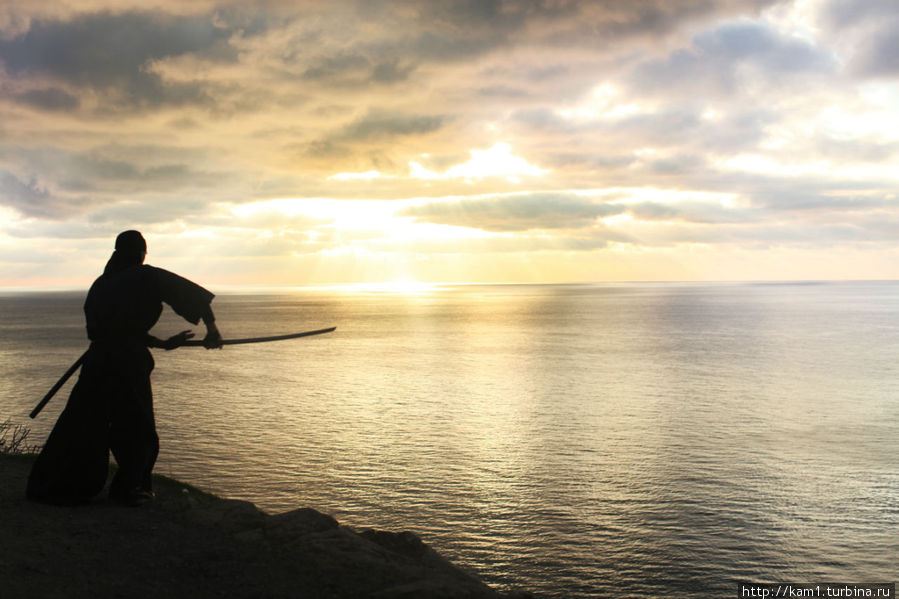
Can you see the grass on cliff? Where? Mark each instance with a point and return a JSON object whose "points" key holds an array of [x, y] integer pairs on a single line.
{"points": [[14, 440]]}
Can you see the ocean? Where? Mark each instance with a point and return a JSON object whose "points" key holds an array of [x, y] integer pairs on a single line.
{"points": [[609, 440]]}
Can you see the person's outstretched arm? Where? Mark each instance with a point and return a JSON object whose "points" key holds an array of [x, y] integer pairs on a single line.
{"points": [[190, 301], [213, 339]]}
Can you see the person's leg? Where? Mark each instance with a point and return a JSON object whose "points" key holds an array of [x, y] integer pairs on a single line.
{"points": [[73, 464], [134, 442]]}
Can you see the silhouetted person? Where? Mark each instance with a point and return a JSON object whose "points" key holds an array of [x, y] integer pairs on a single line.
{"points": [[111, 405]]}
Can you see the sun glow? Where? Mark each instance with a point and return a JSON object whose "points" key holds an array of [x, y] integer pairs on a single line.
{"points": [[397, 287]]}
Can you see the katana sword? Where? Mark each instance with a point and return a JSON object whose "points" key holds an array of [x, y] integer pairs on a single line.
{"points": [[193, 343], [199, 342]]}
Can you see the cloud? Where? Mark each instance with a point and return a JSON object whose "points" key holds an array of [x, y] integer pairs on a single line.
{"points": [[694, 212], [79, 232], [29, 198], [337, 67], [868, 32], [879, 57], [51, 99], [126, 55], [844, 14], [515, 213], [831, 201], [149, 211], [379, 126], [856, 150], [357, 70], [113, 169], [757, 43], [112, 54], [461, 29], [368, 142], [726, 59]]}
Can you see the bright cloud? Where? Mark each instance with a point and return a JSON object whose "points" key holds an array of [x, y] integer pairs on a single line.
{"points": [[497, 161]]}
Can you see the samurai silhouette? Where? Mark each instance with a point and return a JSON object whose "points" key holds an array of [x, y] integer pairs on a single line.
{"points": [[111, 406]]}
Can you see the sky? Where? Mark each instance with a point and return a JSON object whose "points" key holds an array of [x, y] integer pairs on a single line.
{"points": [[277, 143]]}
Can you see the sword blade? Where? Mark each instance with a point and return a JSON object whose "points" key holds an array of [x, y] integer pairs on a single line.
{"points": [[199, 342]]}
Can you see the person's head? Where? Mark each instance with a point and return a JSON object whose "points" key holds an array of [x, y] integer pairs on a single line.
{"points": [[131, 244], [130, 250]]}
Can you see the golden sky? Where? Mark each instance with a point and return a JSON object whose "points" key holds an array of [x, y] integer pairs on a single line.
{"points": [[318, 143]]}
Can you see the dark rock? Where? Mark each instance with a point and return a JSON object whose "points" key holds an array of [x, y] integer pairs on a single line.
{"points": [[228, 514], [300, 522], [406, 543]]}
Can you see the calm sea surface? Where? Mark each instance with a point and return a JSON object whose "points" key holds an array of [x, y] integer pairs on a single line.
{"points": [[639, 440]]}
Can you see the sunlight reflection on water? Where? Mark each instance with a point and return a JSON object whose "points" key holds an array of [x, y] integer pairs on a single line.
{"points": [[578, 441]]}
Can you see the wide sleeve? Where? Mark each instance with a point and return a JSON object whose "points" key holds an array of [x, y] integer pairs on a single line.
{"points": [[187, 299]]}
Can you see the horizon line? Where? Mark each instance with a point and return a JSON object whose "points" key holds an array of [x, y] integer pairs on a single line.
{"points": [[423, 286]]}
